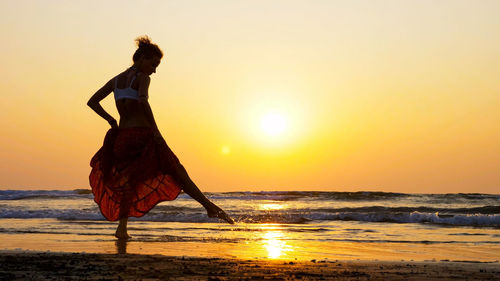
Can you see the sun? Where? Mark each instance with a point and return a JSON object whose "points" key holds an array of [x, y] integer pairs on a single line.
{"points": [[273, 124]]}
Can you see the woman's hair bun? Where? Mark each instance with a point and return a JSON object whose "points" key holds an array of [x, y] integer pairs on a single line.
{"points": [[146, 49], [143, 41]]}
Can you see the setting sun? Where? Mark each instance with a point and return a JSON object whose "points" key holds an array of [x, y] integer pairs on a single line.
{"points": [[273, 124]]}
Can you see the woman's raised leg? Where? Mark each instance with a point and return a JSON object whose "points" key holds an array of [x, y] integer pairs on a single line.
{"points": [[213, 211]]}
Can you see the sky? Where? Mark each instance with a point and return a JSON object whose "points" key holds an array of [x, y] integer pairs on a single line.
{"points": [[397, 96]]}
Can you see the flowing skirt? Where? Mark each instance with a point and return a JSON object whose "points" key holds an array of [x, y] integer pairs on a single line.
{"points": [[132, 172]]}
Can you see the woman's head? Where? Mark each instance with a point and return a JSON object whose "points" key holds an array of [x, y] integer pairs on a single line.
{"points": [[147, 56]]}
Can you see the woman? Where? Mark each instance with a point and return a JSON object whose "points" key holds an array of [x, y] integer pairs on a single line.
{"points": [[135, 169]]}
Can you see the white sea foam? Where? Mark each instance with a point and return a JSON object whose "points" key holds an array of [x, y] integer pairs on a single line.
{"points": [[416, 217], [198, 215]]}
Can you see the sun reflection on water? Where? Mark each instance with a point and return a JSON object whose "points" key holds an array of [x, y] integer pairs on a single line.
{"points": [[271, 206], [274, 242]]}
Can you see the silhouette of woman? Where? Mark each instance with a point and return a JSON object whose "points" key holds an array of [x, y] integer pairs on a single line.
{"points": [[135, 169]]}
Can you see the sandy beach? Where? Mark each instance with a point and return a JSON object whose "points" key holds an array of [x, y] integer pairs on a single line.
{"points": [[17, 265]]}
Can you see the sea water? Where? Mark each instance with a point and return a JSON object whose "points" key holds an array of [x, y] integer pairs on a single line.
{"points": [[269, 224]]}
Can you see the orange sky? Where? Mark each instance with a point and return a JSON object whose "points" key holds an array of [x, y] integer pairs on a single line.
{"points": [[372, 95]]}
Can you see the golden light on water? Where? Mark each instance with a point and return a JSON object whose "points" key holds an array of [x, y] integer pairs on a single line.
{"points": [[273, 245], [271, 206], [274, 242]]}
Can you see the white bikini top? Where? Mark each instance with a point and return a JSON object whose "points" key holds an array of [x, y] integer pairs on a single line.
{"points": [[126, 93]]}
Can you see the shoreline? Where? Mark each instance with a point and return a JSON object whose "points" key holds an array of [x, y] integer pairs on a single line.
{"points": [[40, 265], [267, 245]]}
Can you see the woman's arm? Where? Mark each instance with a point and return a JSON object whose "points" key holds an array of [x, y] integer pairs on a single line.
{"points": [[93, 103]]}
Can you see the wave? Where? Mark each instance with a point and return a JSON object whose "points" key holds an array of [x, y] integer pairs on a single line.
{"points": [[307, 195], [413, 217], [348, 196], [422, 209], [416, 217], [485, 212], [44, 194], [199, 216]]}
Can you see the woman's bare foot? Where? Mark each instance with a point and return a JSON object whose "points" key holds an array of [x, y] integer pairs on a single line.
{"points": [[213, 211], [121, 231]]}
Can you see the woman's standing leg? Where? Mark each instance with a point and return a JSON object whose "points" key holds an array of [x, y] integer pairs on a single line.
{"points": [[121, 231], [125, 202]]}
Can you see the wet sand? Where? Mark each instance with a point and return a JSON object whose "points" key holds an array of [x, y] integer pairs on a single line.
{"points": [[19, 265]]}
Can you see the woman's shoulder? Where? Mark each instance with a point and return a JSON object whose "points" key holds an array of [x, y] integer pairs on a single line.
{"points": [[121, 74], [129, 75]]}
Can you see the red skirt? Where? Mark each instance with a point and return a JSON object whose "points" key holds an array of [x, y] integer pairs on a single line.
{"points": [[132, 172]]}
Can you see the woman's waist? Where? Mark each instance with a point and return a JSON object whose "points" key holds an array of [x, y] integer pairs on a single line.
{"points": [[145, 128], [133, 123], [133, 133]]}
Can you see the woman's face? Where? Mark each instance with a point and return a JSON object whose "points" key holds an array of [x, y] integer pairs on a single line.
{"points": [[148, 65]]}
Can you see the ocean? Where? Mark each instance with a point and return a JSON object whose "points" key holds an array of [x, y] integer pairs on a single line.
{"points": [[269, 224]]}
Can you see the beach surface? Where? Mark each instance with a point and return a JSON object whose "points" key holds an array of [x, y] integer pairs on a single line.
{"points": [[29, 265]]}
